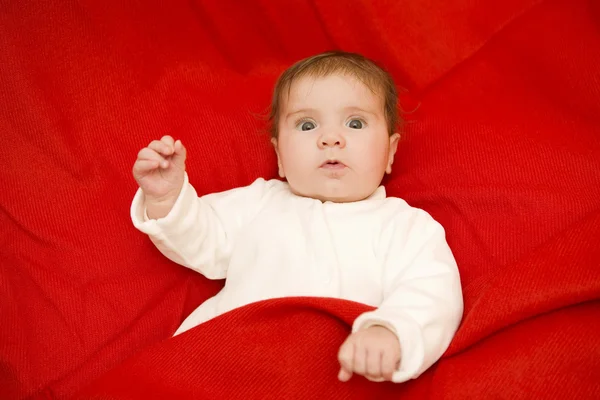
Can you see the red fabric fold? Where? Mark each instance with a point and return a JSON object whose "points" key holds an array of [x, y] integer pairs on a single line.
{"points": [[285, 348], [502, 148]]}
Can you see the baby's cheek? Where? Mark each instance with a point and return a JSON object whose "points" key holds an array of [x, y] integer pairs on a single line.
{"points": [[373, 158]]}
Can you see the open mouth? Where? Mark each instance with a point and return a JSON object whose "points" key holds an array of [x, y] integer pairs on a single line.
{"points": [[333, 164]]}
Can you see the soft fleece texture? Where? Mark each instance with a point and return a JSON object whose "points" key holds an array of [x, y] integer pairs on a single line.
{"points": [[502, 147]]}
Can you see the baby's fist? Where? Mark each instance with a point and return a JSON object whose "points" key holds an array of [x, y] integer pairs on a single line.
{"points": [[159, 170], [373, 352]]}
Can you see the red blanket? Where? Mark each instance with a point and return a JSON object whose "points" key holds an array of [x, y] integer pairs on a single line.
{"points": [[502, 147]]}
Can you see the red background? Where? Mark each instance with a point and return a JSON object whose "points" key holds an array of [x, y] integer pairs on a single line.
{"points": [[502, 146]]}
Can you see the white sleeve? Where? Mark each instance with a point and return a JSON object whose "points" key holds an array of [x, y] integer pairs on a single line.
{"points": [[200, 232], [422, 299]]}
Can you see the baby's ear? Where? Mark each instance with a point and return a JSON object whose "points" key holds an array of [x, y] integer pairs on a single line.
{"points": [[279, 164], [393, 147]]}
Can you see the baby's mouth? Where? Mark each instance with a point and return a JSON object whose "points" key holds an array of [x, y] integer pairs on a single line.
{"points": [[333, 164]]}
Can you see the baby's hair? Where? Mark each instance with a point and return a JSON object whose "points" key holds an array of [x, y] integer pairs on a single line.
{"points": [[377, 79]]}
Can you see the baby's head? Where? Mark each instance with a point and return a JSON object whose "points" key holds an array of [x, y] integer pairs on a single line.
{"points": [[333, 126]]}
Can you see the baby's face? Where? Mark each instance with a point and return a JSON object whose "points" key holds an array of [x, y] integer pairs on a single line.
{"points": [[333, 142]]}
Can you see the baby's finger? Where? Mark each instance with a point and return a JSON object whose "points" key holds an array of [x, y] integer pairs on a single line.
{"points": [[179, 148], [144, 166], [344, 375], [373, 363], [346, 355], [389, 364], [161, 148], [168, 140], [179, 155], [360, 361], [151, 155]]}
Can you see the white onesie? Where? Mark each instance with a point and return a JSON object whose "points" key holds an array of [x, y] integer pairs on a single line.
{"points": [[268, 243]]}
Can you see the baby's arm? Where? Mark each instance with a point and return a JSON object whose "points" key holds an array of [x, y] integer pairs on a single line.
{"points": [[200, 232], [422, 294]]}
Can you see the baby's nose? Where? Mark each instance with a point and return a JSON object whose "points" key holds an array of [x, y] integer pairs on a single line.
{"points": [[332, 140]]}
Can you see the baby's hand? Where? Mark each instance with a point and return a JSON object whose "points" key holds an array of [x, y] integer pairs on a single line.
{"points": [[159, 171], [373, 353]]}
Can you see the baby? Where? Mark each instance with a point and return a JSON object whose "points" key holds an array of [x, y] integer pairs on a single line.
{"points": [[327, 230]]}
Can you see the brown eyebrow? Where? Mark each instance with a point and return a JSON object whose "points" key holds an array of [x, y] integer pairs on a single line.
{"points": [[347, 109], [302, 110], [360, 110]]}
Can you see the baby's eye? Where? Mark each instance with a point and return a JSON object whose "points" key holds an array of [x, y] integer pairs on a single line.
{"points": [[306, 125], [355, 124]]}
